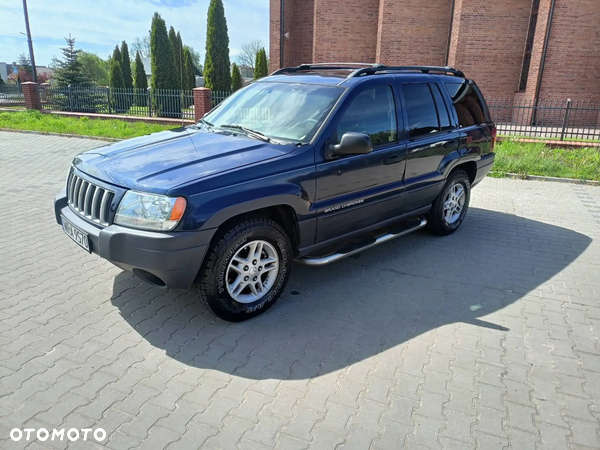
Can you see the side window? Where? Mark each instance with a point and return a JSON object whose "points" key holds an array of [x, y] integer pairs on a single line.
{"points": [[441, 107], [469, 109], [420, 107], [372, 112]]}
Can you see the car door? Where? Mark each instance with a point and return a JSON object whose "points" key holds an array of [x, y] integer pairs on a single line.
{"points": [[356, 191], [432, 142]]}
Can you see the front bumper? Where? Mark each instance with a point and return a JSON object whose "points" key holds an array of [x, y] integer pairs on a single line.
{"points": [[167, 260]]}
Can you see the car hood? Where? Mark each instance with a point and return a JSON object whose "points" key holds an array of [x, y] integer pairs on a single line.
{"points": [[161, 161]]}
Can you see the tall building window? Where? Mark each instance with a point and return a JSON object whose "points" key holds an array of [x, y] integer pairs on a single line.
{"points": [[535, 6]]}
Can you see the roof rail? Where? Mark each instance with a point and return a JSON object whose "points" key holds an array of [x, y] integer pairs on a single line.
{"points": [[368, 68], [423, 69], [328, 66]]}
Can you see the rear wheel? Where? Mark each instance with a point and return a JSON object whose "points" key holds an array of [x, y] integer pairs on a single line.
{"points": [[246, 270], [450, 207]]}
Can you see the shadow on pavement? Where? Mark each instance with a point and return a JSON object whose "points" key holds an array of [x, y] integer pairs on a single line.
{"points": [[334, 316]]}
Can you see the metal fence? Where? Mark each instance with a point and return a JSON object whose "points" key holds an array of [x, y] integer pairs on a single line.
{"points": [[11, 96], [547, 119], [172, 103], [219, 96]]}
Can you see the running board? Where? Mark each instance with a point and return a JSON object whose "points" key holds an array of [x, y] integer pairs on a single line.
{"points": [[322, 260]]}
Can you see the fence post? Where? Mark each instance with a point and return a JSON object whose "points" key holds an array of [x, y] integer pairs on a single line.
{"points": [[31, 95], [202, 102], [149, 102], [108, 97], [565, 120], [70, 98]]}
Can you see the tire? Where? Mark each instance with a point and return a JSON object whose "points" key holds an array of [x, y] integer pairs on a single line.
{"points": [[443, 220], [218, 284]]}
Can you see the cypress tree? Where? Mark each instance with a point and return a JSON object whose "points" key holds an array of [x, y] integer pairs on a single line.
{"points": [[261, 68], [118, 97], [177, 56], [189, 78], [216, 71], [116, 79], [117, 56], [141, 79], [163, 64], [236, 78], [126, 65], [162, 57], [182, 57]]}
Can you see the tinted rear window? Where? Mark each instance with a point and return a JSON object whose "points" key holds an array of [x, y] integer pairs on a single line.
{"points": [[469, 107], [420, 107]]}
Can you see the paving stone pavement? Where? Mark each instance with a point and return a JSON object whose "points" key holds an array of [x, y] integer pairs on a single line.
{"points": [[487, 339]]}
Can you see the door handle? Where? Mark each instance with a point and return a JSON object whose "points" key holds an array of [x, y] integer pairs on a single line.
{"points": [[392, 159]]}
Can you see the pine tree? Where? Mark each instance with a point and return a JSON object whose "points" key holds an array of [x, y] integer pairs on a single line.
{"points": [[177, 56], [141, 79], [126, 65], [70, 69], [163, 64], [236, 78], [216, 71]]}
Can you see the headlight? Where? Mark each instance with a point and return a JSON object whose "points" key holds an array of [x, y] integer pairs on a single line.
{"points": [[150, 211]]}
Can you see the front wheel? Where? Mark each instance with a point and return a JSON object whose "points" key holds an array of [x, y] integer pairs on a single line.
{"points": [[246, 271], [450, 207]]}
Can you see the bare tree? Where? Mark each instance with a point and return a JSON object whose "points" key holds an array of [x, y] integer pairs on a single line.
{"points": [[141, 45], [247, 56]]}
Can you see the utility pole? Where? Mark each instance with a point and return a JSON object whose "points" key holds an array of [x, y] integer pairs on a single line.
{"points": [[31, 57]]}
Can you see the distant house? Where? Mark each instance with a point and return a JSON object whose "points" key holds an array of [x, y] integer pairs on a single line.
{"points": [[246, 71]]}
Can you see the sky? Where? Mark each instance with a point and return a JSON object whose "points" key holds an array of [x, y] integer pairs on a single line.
{"points": [[98, 25]]}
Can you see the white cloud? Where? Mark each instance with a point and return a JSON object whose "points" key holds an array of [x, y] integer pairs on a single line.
{"points": [[100, 25]]}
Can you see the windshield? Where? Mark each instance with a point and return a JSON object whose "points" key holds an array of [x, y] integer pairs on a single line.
{"points": [[280, 111]]}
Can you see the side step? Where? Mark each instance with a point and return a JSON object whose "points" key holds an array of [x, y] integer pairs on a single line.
{"points": [[333, 257]]}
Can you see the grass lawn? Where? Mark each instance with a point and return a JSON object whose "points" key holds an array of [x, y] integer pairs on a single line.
{"points": [[539, 159], [36, 121]]}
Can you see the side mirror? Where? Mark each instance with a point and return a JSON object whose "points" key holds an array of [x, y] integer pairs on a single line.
{"points": [[351, 144]]}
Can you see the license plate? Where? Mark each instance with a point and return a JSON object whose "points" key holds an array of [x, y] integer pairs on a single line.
{"points": [[80, 237]]}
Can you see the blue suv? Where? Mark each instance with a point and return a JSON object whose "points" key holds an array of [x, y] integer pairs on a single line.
{"points": [[313, 163]]}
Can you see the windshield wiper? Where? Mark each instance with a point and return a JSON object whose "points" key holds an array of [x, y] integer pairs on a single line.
{"points": [[205, 122], [252, 133]]}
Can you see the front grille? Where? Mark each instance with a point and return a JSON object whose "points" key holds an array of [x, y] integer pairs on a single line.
{"points": [[89, 200]]}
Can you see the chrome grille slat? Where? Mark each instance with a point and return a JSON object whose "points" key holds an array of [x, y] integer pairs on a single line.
{"points": [[88, 199], [82, 191], [94, 211], [103, 207], [76, 192]]}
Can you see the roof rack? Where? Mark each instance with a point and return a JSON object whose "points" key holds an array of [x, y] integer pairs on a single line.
{"points": [[327, 66], [368, 68], [423, 69]]}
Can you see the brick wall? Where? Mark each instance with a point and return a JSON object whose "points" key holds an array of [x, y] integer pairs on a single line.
{"points": [[488, 43], [573, 61], [345, 31], [413, 24]]}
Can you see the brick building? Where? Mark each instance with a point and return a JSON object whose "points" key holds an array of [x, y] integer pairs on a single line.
{"points": [[499, 43]]}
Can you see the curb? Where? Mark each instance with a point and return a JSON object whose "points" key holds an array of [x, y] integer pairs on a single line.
{"points": [[48, 133], [516, 176]]}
